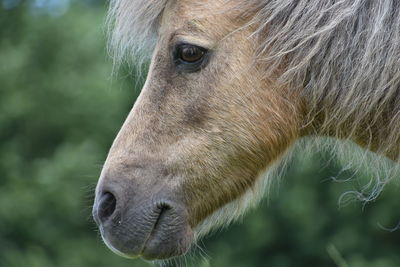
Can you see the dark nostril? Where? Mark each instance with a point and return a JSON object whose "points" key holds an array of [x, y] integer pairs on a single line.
{"points": [[107, 206]]}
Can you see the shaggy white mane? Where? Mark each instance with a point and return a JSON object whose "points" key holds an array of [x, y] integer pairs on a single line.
{"points": [[133, 26]]}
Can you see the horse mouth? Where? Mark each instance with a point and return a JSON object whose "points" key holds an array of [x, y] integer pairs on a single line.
{"points": [[153, 232], [158, 244]]}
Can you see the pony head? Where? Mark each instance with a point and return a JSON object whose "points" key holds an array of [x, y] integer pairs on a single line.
{"points": [[231, 85]]}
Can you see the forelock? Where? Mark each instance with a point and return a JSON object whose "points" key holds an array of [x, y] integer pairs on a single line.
{"points": [[133, 27]]}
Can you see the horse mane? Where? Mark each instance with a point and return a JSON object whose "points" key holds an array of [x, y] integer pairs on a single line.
{"points": [[343, 55], [133, 26]]}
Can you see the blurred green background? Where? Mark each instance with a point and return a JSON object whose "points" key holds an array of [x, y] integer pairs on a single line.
{"points": [[60, 109]]}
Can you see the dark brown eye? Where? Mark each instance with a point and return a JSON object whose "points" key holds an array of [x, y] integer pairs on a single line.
{"points": [[190, 58], [191, 54]]}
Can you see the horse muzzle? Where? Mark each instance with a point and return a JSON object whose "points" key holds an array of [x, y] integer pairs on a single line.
{"points": [[142, 224]]}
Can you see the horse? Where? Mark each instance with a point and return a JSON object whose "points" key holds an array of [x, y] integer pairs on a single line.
{"points": [[231, 88]]}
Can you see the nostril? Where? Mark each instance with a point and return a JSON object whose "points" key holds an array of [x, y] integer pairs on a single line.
{"points": [[107, 206]]}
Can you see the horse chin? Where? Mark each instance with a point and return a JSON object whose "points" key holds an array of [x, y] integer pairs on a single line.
{"points": [[153, 252], [235, 209]]}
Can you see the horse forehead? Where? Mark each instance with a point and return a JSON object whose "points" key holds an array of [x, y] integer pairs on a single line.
{"points": [[197, 17]]}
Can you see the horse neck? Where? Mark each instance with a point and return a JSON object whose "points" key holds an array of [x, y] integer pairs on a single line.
{"points": [[374, 125]]}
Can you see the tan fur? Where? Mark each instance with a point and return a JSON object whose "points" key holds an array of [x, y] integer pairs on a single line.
{"points": [[216, 130]]}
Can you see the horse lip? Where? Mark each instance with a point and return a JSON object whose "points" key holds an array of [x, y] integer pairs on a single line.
{"points": [[134, 254], [165, 233], [152, 231], [118, 223], [166, 215]]}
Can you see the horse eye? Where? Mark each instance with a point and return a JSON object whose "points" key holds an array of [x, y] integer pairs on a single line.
{"points": [[191, 53], [190, 58]]}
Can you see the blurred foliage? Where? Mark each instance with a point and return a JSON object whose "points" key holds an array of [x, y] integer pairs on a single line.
{"points": [[59, 111]]}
